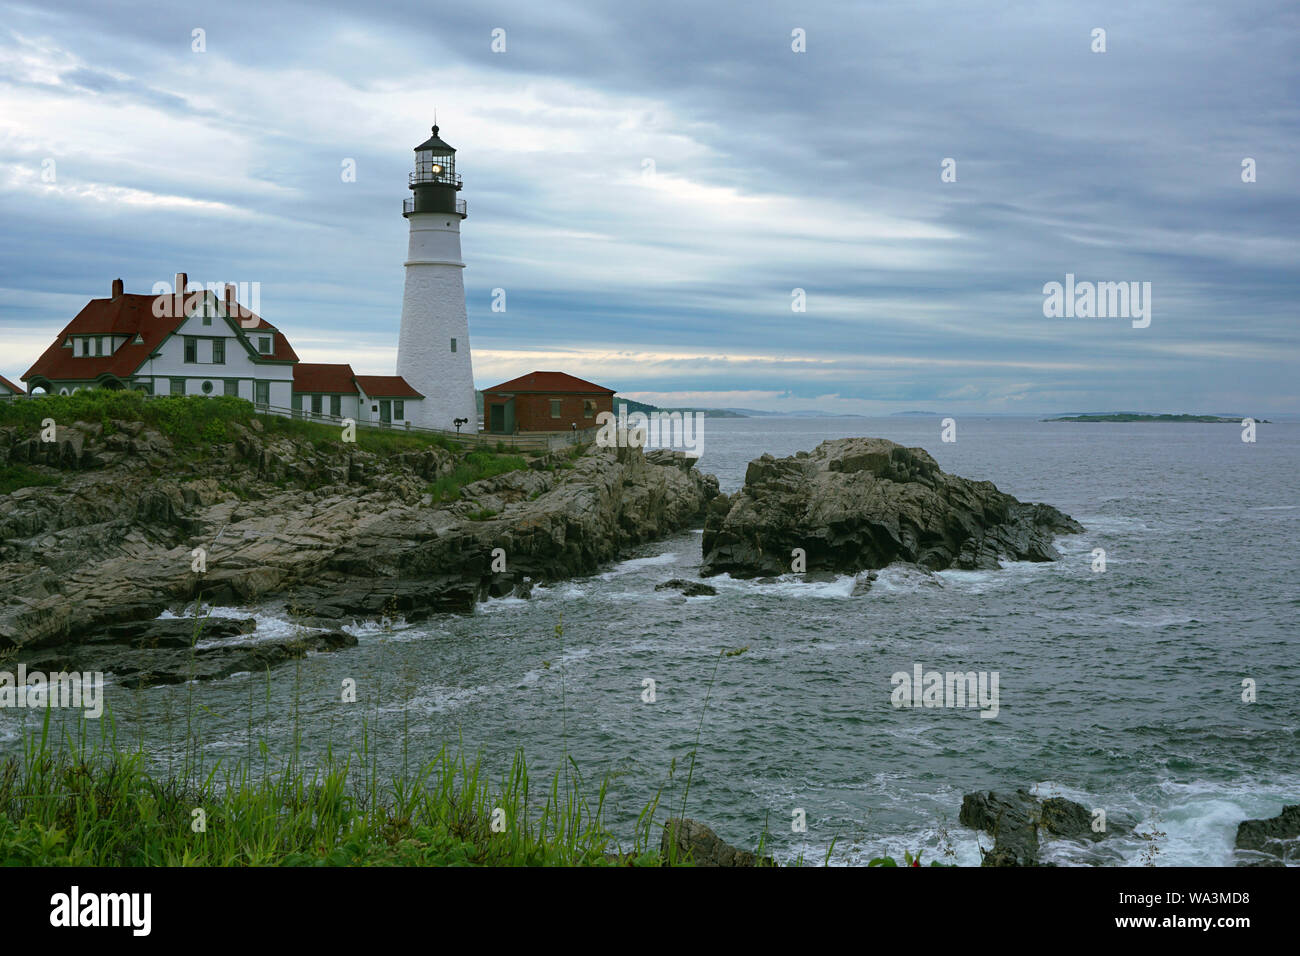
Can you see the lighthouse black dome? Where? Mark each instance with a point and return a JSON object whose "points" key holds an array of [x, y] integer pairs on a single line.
{"points": [[435, 144]]}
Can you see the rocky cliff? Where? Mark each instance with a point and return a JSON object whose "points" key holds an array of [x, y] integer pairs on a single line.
{"points": [[337, 531], [854, 504]]}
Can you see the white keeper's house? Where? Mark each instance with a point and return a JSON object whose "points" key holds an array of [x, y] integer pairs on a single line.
{"points": [[204, 344]]}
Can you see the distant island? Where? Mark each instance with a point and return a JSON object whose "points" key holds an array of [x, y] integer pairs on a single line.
{"points": [[1139, 417]]}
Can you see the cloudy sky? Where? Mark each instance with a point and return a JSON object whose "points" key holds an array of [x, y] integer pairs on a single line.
{"points": [[649, 182]]}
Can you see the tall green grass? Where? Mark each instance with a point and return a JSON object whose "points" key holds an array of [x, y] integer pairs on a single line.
{"points": [[102, 806], [88, 800]]}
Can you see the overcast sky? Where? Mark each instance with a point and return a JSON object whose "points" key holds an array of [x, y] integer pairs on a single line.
{"points": [[772, 170]]}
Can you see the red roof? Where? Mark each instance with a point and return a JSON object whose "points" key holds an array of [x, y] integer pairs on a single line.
{"points": [[130, 315], [16, 389], [386, 386], [549, 382], [334, 379]]}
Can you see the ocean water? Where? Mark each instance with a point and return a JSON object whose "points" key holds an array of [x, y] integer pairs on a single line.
{"points": [[1121, 690]]}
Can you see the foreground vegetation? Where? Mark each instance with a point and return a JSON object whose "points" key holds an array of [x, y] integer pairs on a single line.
{"points": [[103, 807]]}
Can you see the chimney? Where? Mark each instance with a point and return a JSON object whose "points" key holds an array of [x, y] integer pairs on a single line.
{"points": [[231, 307], [117, 288], [182, 283]]}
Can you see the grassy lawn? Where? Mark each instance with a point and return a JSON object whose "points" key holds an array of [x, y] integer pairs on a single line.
{"points": [[192, 421]]}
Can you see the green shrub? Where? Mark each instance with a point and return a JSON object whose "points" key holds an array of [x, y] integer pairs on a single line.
{"points": [[13, 477], [475, 466]]}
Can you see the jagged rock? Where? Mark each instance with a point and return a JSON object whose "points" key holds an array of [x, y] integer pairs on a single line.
{"points": [[1015, 820], [1012, 819], [1271, 842], [697, 844], [863, 581], [672, 458], [688, 588], [856, 504], [344, 533], [175, 656]]}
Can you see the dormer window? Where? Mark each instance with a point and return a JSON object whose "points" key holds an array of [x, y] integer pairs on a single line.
{"points": [[264, 344]]}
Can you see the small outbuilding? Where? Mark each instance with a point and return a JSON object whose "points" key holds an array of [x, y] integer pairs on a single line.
{"points": [[544, 402]]}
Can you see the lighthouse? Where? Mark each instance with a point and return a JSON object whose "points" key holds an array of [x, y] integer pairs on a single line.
{"points": [[433, 345]]}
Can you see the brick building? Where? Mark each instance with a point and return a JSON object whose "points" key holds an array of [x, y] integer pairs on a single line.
{"points": [[544, 402]]}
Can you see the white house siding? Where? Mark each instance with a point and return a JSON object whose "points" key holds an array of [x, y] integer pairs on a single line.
{"points": [[238, 364], [348, 405], [368, 409]]}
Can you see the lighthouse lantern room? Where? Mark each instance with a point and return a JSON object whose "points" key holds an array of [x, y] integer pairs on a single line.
{"points": [[434, 181]]}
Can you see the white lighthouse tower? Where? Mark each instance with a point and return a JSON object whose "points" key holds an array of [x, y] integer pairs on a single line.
{"points": [[433, 346]]}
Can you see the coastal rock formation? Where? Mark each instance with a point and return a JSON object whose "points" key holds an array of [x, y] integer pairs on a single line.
{"points": [[698, 844], [860, 503], [174, 650], [1015, 820], [688, 588], [1271, 842], [333, 531]]}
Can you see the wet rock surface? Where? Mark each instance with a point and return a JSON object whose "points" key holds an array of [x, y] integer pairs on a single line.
{"points": [[1271, 842], [685, 840], [1016, 820], [688, 588]]}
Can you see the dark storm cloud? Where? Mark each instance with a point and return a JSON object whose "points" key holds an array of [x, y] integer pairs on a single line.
{"points": [[1116, 166]]}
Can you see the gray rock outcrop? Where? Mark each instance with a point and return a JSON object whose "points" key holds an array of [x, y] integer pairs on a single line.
{"points": [[335, 532], [1271, 842], [689, 841], [1015, 820], [855, 504]]}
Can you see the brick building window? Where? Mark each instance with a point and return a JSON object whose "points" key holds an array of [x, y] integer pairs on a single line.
{"points": [[555, 407], [588, 408]]}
